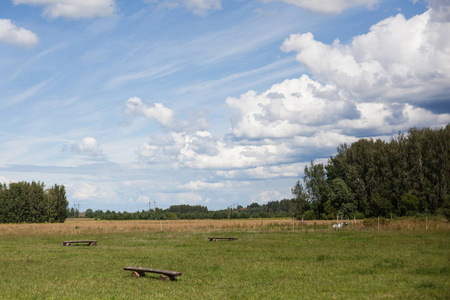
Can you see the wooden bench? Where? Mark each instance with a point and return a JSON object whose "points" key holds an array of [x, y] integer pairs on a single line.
{"points": [[90, 243], [165, 275], [214, 239]]}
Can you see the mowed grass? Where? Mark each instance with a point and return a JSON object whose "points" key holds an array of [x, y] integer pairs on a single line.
{"points": [[301, 264]]}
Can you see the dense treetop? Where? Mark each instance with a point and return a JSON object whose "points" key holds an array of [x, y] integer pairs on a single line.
{"points": [[32, 203]]}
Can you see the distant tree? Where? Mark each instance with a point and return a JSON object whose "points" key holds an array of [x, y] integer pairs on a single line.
{"points": [[300, 201], [317, 189], [89, 213], [57, 204]]}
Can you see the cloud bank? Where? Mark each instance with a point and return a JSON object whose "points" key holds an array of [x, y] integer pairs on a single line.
{"points": [[398, 60], [377, 85]]}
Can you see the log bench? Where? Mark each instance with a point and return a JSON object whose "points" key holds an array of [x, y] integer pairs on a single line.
{"points": [[90, 243], [165, 274], [214, 239]]}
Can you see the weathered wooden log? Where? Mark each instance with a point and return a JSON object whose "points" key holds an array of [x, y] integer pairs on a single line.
{"points": [[141, 272], [69, 243], [214, 239]]}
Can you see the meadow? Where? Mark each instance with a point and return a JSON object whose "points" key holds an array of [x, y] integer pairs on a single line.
{"points": [[272, 259]]}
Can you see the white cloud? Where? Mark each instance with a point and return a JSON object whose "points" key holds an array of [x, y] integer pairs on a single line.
{"points": [[265, 172], [267, 196], [441, 9], [3, 179], [376, 86], [73, 9], [398, 60], [18, 36], [200, 185], [88, 146], [86, 191], [198, 7], [142, 199], [293, 107], [189, 198], [330, 6], [156, 111]]}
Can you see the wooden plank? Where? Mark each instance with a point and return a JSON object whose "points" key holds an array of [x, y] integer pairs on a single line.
{"points": [[213, 239], [140, 270], [69, 243]]}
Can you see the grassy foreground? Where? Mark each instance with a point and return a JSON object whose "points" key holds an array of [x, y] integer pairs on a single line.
{"points": [[302, 264]]}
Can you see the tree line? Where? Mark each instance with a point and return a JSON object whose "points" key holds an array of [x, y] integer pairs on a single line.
{"points": [[273, 209], [407, 176], [24, 202]]}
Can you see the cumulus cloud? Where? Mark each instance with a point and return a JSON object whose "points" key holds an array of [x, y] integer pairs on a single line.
{"points": [[86, 191], [89, 147], [157, 111], [18, 36], [441, 9], [188, 150], [267, 196], [377, 85], [198, 7], [293, 107], [330, 6], [70, 9], [398, 60]]}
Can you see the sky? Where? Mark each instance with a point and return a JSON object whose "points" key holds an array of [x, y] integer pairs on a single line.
{"points": [[209, 102]]}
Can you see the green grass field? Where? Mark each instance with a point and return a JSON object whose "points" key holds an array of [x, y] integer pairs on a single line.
{"points": [[305, 264]]}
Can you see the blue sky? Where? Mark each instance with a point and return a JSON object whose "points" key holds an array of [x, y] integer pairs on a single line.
{"points": [[208, 102]]}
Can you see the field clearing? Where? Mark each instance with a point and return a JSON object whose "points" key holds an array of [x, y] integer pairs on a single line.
{"points": [[90, 226], [272, 259]]}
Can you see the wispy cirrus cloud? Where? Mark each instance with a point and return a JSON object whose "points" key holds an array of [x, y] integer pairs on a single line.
{"points": [[79, 9], [330, 6], [198, 7]]}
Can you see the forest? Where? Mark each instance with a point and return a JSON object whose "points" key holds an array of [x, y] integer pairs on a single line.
{"points": [[23, 202], [404, 177]]}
